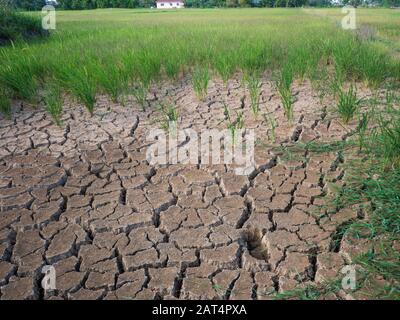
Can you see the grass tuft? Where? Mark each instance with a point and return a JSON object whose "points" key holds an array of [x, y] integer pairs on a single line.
{"points": [[54, 103], [348, 104], [283, 83], [200, 78]]}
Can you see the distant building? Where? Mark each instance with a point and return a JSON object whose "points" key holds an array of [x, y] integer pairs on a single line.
{"points": [[170, 4]]}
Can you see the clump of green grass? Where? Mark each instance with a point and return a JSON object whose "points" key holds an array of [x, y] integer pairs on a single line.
{"points": [[224, 67], [273, 125], [373, 66], [348, 104], [5, 104], [200, 78], [233, 125], [113, 80], [254, 87], [169, 116], [54, 103], [311, 291], [81, 83], [283, 84], [172, 67], [140, 91], [19, 77], [147, 66], [362, 128], [388, 139], [320, 83], [143, 67]]}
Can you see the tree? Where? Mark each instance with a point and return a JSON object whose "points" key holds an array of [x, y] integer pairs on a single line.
{"points": [[231, 3], [30, 5], [267, 3]]}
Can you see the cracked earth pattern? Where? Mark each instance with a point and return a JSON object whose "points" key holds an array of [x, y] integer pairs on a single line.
{"points": [[84, 199]]}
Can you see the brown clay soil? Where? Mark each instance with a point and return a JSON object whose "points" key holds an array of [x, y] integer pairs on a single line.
{"points": [[84, 199]]}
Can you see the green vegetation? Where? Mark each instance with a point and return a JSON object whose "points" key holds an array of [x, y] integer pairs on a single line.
{"points": [[362, 128], [124, 52], [272, 124], [373, 184], [284, 82], [15, 26], [169, 116], [5, 104], [200, 78], [54, 102], [233, 124], [348, 104], [93, 4], [253, 85], [139, 47]]}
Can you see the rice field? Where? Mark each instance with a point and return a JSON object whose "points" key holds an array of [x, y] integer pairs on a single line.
{"points": [[112, 50]]}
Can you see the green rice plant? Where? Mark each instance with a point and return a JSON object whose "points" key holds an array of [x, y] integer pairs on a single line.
{"points": [[233, 125], [362, 128], [169, 116], [147, 66], [273, 125], [19, 76], [172, 67], [388, 138], [372, 66], [320, 83], [113, 79], [283, 84], [5, 104], [54, 102], [200, 78], [301, 60], [254, 87], [140, 91], [348, 104], [391, 98], [81, 83], [224, 67]]}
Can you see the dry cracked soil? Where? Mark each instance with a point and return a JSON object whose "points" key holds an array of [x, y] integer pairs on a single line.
{"points": [[83, 198]]}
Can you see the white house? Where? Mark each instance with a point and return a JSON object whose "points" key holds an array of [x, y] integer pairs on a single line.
{"points": [[170, 4]]}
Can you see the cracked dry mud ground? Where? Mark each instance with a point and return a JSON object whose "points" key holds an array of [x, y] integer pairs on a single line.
{"points": [[83, 199]]}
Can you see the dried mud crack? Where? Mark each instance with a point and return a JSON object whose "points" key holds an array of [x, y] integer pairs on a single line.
{"points": [[84, 199]]}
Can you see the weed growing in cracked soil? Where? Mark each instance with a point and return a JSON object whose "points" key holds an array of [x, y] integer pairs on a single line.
{"points": [[362, 128], [253, 85], [233, 125], [273, 125], [140, 93], [200, 80], [348, 104], [283, 82], [169, 116]]}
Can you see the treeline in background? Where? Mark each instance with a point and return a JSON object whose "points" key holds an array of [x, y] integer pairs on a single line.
{"points": [[94, 4]]}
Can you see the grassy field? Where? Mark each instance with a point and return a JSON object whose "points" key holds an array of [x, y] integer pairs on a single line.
{"points": [[112, 50]]}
